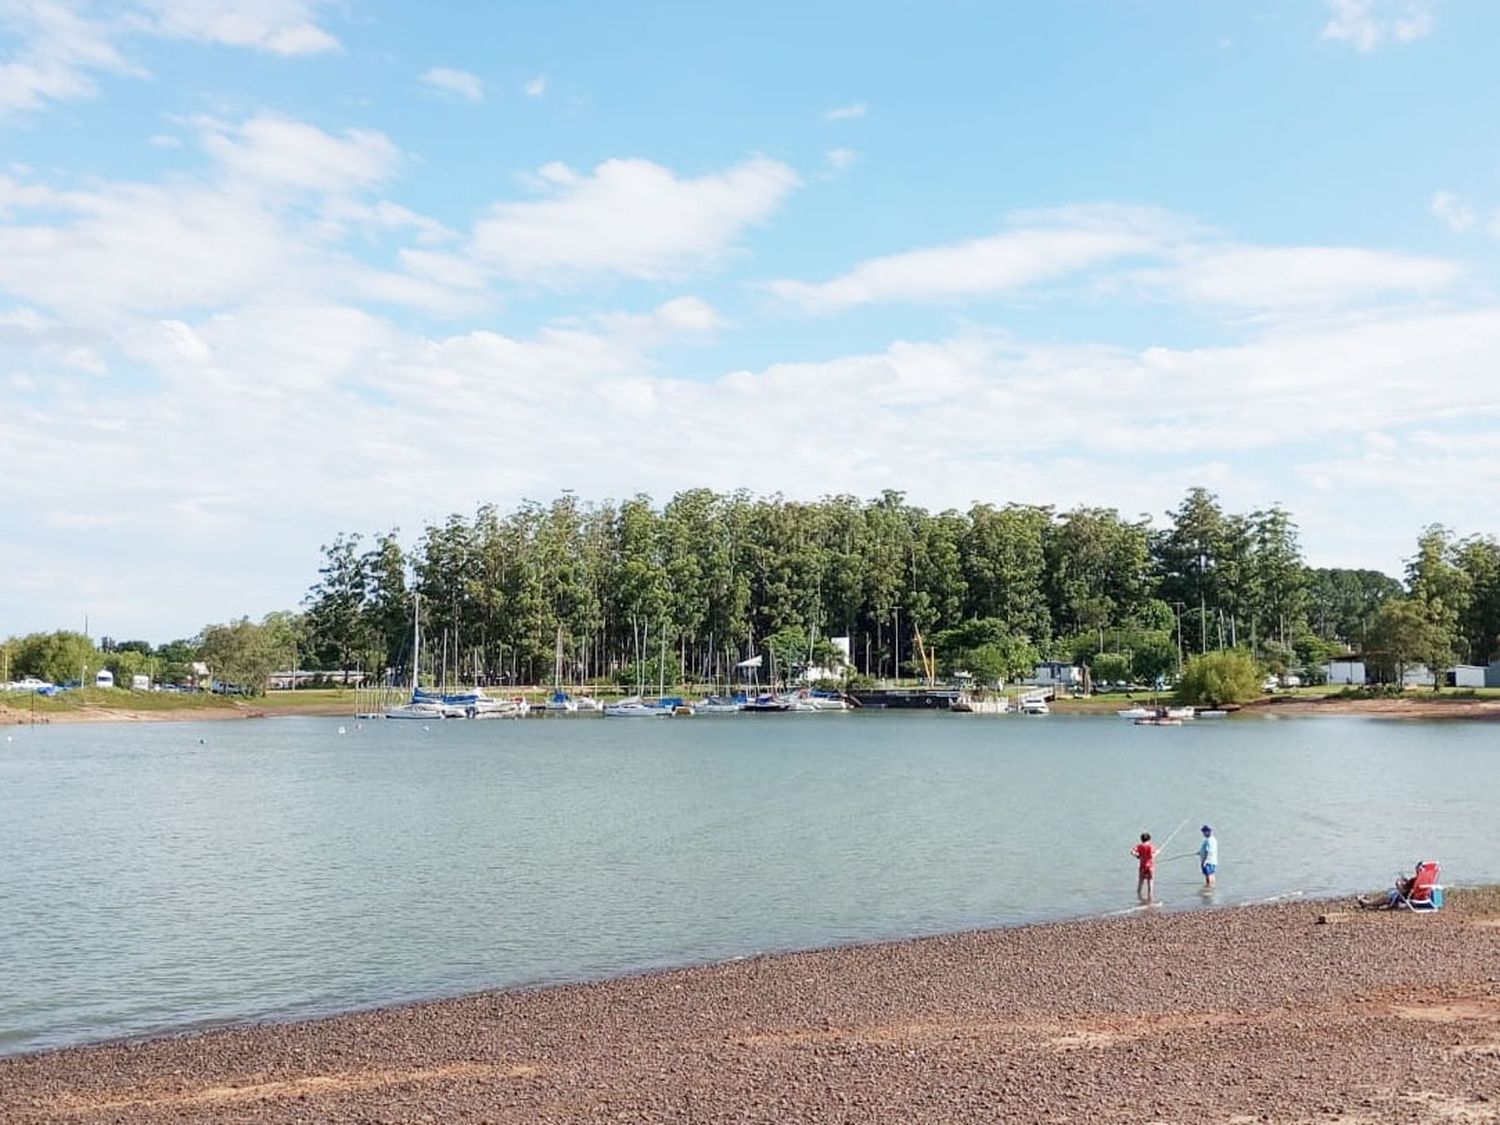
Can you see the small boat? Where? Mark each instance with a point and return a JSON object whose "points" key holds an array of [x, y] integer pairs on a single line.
{"points": [[417, 710], [767, 705], [560, 703], [1136, 713], [634, 707], [1158, 721], [586, 704], [1035, 704], [722, 705], [827, 701], [1211, 713], [1179, 712]]}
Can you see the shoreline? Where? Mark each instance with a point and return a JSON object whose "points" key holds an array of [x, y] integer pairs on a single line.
{"points": [[1206, 1014], [1414, 706]]}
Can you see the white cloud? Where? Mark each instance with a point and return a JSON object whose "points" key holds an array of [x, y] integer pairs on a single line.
{"points": [[1310, 278], [629, 218], [840, 159], [1366, 24], [282, 27], [62, 46], [846, 112], [1454, 213], [58, 51], [1039, 246], [458, 83], [284, 152], [535, 87], [270, 214]]}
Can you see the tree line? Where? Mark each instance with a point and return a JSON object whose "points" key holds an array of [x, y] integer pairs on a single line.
{"points": [[684, 591], [709, 579]]}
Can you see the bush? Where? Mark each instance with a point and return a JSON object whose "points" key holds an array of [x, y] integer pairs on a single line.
{"points": [[1217, 678]]}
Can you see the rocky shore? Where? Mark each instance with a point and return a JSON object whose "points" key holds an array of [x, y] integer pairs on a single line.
{"points": [[1285, 1013]]}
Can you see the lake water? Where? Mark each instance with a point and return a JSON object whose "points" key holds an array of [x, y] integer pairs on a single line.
{"points": [[153, 881]]}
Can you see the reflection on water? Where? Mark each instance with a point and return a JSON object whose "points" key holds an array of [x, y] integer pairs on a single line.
{"points": [[152, 880]]}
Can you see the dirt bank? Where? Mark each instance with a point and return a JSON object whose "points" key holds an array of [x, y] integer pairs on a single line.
{"points": [[1260, 1014]]}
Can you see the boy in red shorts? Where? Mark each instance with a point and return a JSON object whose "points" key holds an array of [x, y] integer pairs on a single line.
{"points": [[1145, 853]]}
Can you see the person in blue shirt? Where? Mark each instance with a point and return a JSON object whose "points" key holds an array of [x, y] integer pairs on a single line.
{"points": [[1208, 856]]}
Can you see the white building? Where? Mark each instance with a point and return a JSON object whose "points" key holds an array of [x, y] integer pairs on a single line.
{"points": [[104, 678], [1346, 670], [1466, 675], [1057, 674], [139, 682]]}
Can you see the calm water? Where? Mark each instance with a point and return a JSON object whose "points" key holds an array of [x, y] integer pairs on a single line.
{"points": [[149, 881]]}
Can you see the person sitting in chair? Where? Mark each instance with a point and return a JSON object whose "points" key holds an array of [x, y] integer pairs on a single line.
{"points": [[1396, 895]]}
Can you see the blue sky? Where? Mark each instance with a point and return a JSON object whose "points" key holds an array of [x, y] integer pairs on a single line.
{"points": [[275, 269]]}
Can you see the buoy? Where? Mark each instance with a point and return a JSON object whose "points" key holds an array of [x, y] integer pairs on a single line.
{"points": [[341, 730]]}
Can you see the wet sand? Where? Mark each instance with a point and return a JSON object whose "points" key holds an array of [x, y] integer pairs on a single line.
{"points": [[1236, 1015]]}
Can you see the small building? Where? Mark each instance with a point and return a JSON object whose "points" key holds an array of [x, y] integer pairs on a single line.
{"points": [[1057, 674], [139, 682], [104, 678], [1466, 676], [1346, 670], [1416, 675]]}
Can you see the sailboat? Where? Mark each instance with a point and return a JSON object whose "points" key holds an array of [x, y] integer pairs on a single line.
{"points": [[559, 702], [418, 707]]}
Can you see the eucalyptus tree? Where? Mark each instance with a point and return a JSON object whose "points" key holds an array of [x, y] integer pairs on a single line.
{"points": [[1188, 555], [387, 610], [338, 633], [1342, 603], [1479, 624], [1097, 569], [1005, 566]]}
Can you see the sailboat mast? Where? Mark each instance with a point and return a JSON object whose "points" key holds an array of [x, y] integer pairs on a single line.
{"points": [[416, 639]]}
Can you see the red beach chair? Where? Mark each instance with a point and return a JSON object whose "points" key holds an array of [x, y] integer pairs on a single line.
{"points": [[1425, 894]]}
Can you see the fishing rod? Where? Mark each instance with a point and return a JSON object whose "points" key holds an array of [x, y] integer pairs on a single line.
{"points": [[1163, 845]]}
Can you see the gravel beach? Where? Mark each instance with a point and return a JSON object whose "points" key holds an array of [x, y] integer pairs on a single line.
{"points": [[1305, 1012]]}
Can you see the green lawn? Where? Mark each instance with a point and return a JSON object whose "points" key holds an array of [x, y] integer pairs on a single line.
{"points": [[80, 699]]}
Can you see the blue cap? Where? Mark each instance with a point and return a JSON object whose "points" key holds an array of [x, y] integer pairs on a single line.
{"points": [[1206, 828]]}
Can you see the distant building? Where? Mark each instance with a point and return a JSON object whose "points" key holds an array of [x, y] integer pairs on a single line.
{"points": [[139, 682], [815, 672], [284, 681], [1466, 675], [104, 678], [1346, 670], [1417, 675], [1057, 674], [1492, 674]]}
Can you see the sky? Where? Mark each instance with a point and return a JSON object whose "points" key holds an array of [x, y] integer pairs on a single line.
{"points": [[271, 270]]}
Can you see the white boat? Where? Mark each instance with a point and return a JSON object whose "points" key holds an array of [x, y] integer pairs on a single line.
{"points": [[560, 703], [634, 708], [586, 703], [720, 705], [425, 708], [1034, 703], [1136, 713], [1211, 713], [1179, 712], [487, 707], [428, 711]]}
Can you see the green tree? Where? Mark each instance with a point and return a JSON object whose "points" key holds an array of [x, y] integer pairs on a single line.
{"points": [[241, 653], [1111, 667], [1216, 678], [1406, 632], [339, 634], [59, 657]]}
